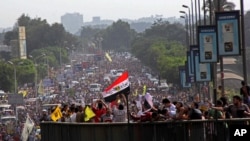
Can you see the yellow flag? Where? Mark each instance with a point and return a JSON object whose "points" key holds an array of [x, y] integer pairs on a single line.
{"points": [[136, 92], [40, 88], [88, 114], [57, 114], [108, 57], [23, 92], [144, 90]]}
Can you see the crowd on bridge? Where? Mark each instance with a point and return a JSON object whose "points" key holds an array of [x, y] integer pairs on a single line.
{"points": [[70, 99]]}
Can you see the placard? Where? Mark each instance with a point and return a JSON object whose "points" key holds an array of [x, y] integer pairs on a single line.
{"points": [[192, 49], [190, 78], [202, 70], [207, 44], [228, 33], [182, 74], [15, 99], [22, 43]]}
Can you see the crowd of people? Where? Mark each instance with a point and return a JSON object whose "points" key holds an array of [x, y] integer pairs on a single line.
{"points": [[78, 104]]}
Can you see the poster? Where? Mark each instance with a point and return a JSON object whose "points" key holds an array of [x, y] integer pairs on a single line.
{"points": [[190, 77], [22, 43], [183, 79], [202, 70], [192, 49], [228, 33], [207, 44], [189, 64]]}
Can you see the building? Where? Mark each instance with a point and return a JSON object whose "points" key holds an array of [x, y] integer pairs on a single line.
{"points": [[96, 19], [72, 22]]}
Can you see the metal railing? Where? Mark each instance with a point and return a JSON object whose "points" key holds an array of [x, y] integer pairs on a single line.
{"points": [[198, 130]]}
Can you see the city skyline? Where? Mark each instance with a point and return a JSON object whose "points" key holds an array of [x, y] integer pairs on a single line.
{"points": [[52, 10]]}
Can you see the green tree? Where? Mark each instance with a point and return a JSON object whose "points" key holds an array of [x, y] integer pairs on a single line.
{"points": [[222, 5], [162, 56], [89, 32], [161, 47], [40, 34], [118, 36], [167, 31], [25, 71], [52, 55], [6, 77]]}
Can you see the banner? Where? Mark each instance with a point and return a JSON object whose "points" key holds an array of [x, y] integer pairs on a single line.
{"points": [[202, 70], [189, 78], [27, 129], [40, 88], [228, 33], [192, 49], [189, 64], [207, 44], [183, 79], [22, 43]]}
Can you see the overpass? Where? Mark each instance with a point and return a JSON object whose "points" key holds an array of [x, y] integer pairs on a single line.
{"points": [[190, 130]]}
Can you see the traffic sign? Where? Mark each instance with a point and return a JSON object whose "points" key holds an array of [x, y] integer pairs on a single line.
{"points": [[15, 99]]}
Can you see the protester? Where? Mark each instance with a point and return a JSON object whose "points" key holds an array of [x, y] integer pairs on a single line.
{"points": [[213, 114], [171, 109], [195, 112], [119, 114], [145, 102], [99, 108], [236, 110], [245, 92]]}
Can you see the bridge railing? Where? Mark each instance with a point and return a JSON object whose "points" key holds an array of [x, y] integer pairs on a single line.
{"points": [[198, 130]]}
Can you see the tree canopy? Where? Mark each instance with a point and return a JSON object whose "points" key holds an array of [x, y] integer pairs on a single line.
{"points": [[118, 36], [40, 34], [162, 48]]}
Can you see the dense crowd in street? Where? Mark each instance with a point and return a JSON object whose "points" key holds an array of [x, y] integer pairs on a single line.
{"points": [[68, 89]]}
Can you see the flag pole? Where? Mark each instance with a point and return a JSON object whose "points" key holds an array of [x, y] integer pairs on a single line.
{"points": [[128, 115]]}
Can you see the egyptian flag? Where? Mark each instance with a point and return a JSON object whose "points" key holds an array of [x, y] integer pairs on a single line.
{"points": [[119, 86]]}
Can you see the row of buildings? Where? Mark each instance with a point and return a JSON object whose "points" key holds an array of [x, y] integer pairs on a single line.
{"points": [[73, 22]]}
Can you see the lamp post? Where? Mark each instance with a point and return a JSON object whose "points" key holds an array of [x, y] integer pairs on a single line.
{"points": [[243, 41], [14, 75], [190, 23], [204, 10], [36, 93], [199, 11], [186, 25], [60, 58]]}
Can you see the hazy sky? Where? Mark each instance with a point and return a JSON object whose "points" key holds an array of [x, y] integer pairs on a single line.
{"points": [[52, 10]]}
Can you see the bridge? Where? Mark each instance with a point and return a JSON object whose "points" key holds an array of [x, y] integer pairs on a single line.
{"points": [[190, 130]]}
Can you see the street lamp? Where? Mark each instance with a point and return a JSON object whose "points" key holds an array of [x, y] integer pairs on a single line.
{"points": [[35, 59], [243, 45], [14, 74], [186, 25], [191, 24]]}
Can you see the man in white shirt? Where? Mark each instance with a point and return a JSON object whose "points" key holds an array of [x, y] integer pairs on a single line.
{"points": [[73, 115], [170, 107]]}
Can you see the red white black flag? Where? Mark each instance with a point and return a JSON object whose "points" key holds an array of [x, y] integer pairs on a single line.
{"points": [[120, 86]]}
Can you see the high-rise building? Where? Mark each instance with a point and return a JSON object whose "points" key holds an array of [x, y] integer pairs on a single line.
{"points": [[96, 19], [72, 22]]}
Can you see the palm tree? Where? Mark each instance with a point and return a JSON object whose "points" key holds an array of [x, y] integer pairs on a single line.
{"points": [[222, 5]]}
